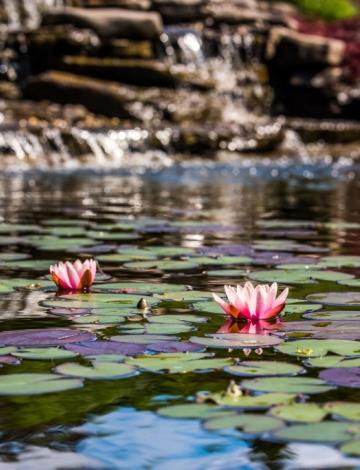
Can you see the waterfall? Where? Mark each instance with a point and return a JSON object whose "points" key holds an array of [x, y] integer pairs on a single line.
{"points": [[21, 14]]}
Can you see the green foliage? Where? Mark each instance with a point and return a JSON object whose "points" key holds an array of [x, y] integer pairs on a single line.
{"points": [[327, 9]]}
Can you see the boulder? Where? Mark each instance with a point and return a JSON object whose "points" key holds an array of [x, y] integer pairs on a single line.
{"points": [[109, 22], [108, 99], [128, 4], [136, 72], [287, 48], [178, 11], [330, 131]]}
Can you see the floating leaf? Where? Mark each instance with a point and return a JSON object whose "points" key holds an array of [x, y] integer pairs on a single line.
{"points": [[257, 402], [299, 412], [287, 385], [263, 368], [338, 315], [238, 273], [351, 299], [323, 330], [326, 431], [208, 307], [174, 346], [36, 384], [143, 338], [294, 309], [344, 376], [189, 411], [317, 348], [141, 287], [237, 341], [177, 319], [333, 361], [343, 409], [351, 448], [171, 265], [350, 283], [158, 328], [221, 260], [43, 354], [90, 348], [99, 370], [178, 362], [302, 276], [44, 337], [248, 423], [186, 296]]}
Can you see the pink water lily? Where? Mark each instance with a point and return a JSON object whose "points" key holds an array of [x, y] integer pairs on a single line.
{"points": [[253, 303], [74, 276]]}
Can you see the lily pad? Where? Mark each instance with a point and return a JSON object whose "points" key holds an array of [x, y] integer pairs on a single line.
{"points": [[36, 384], [236, 341], [177, 319], [179, 362], [351, 448], [238, 273], [185, 296], [343, 377], [44, 337], [248, 423], [43, 354], [343, 409], [333, 361], [157, 328], [167, 265], [306, 385], [99, 370], [90, 348], [143, 338], [317, 348], [301, 276], [295, 309], [174, 346], [338, 315], [299, 412], [189, 411], [256, 402], [349, 299], [141, 287], [327, 432], [264, 369]]}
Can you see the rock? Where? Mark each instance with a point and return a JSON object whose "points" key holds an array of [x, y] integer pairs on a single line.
{"points": [[287, 48], [128, 4], [136, 72], [330, 131], [239, 12], [108, 99], [109, 22], [178, 11]]}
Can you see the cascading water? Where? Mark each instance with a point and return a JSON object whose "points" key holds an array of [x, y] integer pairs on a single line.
{"points": [[19, 14]]}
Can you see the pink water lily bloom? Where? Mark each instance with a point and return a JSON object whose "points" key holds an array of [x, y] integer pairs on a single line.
{"points": [[253, 303], [74, 276]]}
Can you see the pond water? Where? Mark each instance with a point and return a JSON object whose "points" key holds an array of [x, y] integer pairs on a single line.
{"points": [[152, 391]]}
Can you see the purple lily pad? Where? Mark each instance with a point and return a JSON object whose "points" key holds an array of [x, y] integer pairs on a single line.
{"points": [[44, 337], [280, 257], [96, 249], [175, 346], [344, 376], [91, 348], [9, 360], [70, 311], [227, 250], [324, 329]]}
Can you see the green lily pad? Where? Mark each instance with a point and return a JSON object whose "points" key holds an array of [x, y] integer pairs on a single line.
{"points": [[106, 358], [257, 402], [306, 385], [168, 251], [30, 264], [340, 262], [177, 319], [238, 273], [99, 319], [112, 236], [295, 309], [350, 283], [327, 432], [158, 328], [179, 362], [126, 256], [167, 265], [99, 370], [221, 260], [343, 409], [301, 276], [263, 369], [248, 423], [208, 307], [67, 231], [143, 338], [333, 361], [142, 287], [185, 296], [5, 257], [97, 301], [339, 315], [9, 285], [190, 411], [36, 384], [351, 448], [317, 348], [43, 354], [52, 243], [237, 341], [348, 299], [299, 412]]}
